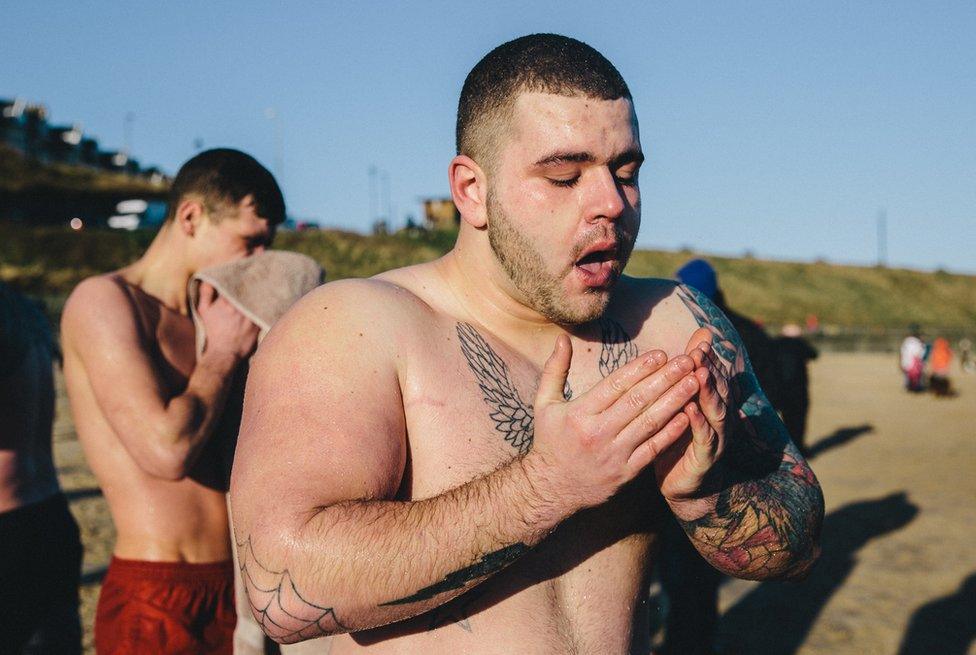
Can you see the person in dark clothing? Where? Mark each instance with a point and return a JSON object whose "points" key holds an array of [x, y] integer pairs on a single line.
{"points": [[792, 354], [759, 345], [40, 547], [690, 584]]}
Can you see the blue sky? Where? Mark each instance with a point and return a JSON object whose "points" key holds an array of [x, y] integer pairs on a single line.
{"points": [[780, 128]]}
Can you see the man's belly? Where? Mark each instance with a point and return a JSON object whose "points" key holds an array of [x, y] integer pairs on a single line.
{"points": [[156, 519], [578, 592]]}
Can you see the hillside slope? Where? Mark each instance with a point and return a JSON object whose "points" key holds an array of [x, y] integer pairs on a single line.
{"points": [[50, 261]]}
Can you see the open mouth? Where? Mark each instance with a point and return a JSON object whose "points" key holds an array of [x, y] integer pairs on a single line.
{"points": [[596, 268]]}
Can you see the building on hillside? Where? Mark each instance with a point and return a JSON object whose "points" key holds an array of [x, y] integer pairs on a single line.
{"points": [[24, 128], [64, 143], [440, 214]]}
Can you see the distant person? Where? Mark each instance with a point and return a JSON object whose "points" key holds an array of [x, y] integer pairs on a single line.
{"points": [[40, 548], [939, 360], [146, 409], [690, 584], [700, 274], [966, 361], [812, 324], [913, 352], [793, 353]]}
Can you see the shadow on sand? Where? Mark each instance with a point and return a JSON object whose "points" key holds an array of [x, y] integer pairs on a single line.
{"points": [[775, 617], [945, 625], [80, 494], [840, 437], [93, 576]]}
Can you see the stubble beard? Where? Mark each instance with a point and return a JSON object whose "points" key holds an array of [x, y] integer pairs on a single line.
{"points": [[527, 270]]}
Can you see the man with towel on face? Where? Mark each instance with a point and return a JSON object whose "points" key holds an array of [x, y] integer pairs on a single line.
{"points": [[475, 454], [146, 407]]}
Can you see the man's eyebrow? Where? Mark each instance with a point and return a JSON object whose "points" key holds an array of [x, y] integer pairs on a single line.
{"points": [[565, 158], [632, 156]]}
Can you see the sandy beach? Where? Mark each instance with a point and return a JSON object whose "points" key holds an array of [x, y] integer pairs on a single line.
{"points": [[898, 572]]}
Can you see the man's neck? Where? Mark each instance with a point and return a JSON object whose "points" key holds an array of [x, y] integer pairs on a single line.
{"points": [[483, 290], [162, 271]]}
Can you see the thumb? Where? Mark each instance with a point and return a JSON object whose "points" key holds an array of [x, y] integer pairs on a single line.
{"points": [[555, 372], [698, 337], [206, 297]]}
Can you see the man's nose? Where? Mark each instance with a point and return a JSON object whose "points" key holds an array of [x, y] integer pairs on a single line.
{"points": [[606, 198]]}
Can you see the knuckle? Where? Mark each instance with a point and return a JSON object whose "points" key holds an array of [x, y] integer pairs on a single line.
{"points": [[615, 384], [650, 423], [637, 398]]}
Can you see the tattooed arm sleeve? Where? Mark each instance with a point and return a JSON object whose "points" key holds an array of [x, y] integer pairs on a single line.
{"points": [[766, 506]]}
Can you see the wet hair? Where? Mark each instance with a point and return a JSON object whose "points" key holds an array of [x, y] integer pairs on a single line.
{"points": [[223, 177], [547, 63]]}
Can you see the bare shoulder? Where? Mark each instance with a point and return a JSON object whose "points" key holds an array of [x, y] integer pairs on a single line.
{"points": [[655, 307], [98, 304], [306, 429], [372, 311]]}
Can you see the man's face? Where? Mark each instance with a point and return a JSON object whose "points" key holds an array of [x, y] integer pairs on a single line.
{"points": [[563, 202], [238, 233]]}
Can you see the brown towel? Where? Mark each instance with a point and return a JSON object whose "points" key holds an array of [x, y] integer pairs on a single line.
{"points": [[261, 287]]}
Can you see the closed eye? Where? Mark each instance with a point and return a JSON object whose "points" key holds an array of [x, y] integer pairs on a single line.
{"points": [[567, 182]]}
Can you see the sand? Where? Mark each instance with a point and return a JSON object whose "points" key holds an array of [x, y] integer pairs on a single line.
{"points": [[898, 476]]}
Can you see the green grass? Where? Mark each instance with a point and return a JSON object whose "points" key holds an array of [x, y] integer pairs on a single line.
{"points": [[49, 261]]}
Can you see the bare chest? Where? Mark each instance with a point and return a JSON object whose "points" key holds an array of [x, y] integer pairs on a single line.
{"points": [[468, 398]]}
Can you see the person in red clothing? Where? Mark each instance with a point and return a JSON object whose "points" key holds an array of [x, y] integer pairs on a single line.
{"points": [[939, 361], [147, 409]]}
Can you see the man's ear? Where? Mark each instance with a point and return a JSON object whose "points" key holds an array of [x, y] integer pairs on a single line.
{"points": [[469, 189], [189, 214]]}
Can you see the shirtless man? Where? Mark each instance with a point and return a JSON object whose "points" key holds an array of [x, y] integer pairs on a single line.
{"points": [[394, 482], [40, 549], [146, 408]]}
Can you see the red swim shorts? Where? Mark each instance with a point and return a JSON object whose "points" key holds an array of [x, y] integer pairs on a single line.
{"points": [[170, 608]]}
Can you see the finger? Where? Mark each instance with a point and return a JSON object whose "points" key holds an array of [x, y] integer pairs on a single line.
{"points": [[719, 373], [555, 372], [649, 449], [646, 392], [712, 405], [611, 388], [698, 337], [207, 294], [652, 419], [704, 439]]}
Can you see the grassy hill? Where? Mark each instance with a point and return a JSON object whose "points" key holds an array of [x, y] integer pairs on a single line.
{"points": [[19, 175], [49, 261]]}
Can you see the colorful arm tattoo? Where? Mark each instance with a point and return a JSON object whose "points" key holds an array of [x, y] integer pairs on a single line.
{"points": [[769, 507]]}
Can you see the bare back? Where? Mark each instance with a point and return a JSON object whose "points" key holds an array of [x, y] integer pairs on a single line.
{"points": [[466, 399], [156, 519]]}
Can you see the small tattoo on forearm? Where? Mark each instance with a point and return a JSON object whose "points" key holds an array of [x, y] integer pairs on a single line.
{"points": [[278, 607], [487, 565]]}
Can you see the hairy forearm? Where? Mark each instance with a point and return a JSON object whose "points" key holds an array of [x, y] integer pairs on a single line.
{"points": [[763, 522], [362, 564]]}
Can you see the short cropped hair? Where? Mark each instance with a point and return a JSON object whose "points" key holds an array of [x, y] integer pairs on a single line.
{"points": [[546, 63], [223, 177]]}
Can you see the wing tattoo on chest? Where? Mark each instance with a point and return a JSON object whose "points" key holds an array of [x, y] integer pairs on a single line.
{"points": [[513, 417]]}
